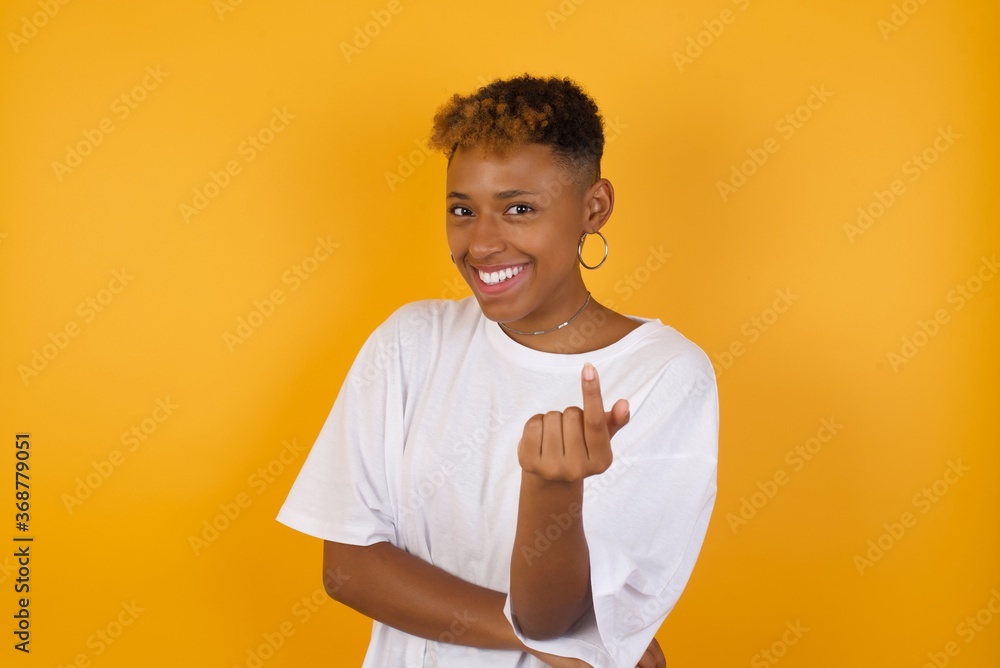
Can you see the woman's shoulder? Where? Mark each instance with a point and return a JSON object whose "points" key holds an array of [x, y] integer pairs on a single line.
{"points": [[433, 317], [437, 310], [667, 345]]}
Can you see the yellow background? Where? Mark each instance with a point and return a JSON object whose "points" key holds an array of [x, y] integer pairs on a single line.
{"points": [[689, 93]]}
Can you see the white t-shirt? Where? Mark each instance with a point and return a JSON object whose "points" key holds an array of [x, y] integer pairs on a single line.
{"points": [[420, 450]]}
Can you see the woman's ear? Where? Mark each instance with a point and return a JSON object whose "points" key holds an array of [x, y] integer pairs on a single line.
{"points": [[600, 201]]}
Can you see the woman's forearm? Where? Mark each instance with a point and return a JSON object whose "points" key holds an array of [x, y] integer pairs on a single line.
{"points": [[396, 588], [550, 563]]}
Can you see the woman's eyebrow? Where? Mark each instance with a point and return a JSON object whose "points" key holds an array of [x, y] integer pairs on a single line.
{"points": [[503, 194]]}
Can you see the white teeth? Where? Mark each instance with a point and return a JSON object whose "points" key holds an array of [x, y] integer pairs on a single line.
{"points": [[495, 277]]}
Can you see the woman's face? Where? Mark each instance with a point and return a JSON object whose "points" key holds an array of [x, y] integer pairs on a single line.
{"points": [[513, 225]]}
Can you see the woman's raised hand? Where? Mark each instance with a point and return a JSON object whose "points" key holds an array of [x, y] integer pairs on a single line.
{"points": [[570, 445]]}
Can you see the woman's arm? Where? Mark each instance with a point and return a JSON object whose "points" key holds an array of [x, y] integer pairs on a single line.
{"points": [[397, 588], [386, 583]]}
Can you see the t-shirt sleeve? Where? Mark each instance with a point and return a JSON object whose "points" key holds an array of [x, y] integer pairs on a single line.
{"points": [[342, 492], [646, 517]]}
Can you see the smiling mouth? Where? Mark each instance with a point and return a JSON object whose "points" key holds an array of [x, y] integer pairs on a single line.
{"points": [[497, 277]]}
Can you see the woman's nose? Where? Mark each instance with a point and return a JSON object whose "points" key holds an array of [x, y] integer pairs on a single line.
{"points": [[487, 238]]}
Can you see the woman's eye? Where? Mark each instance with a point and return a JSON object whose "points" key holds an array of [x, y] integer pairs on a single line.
{"points": [[525, 208], [453, 210]]}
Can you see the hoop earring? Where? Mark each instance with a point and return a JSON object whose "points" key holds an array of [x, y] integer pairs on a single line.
{"points": [[579, 250]]}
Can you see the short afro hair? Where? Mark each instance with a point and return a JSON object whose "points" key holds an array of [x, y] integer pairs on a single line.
{"points": [[524, 109]]}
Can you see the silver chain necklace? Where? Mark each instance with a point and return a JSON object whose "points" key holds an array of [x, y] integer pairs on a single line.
{"points": [[546, 331]]}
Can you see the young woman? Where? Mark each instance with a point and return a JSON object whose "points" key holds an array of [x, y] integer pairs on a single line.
{"points": [[474, 496]]}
